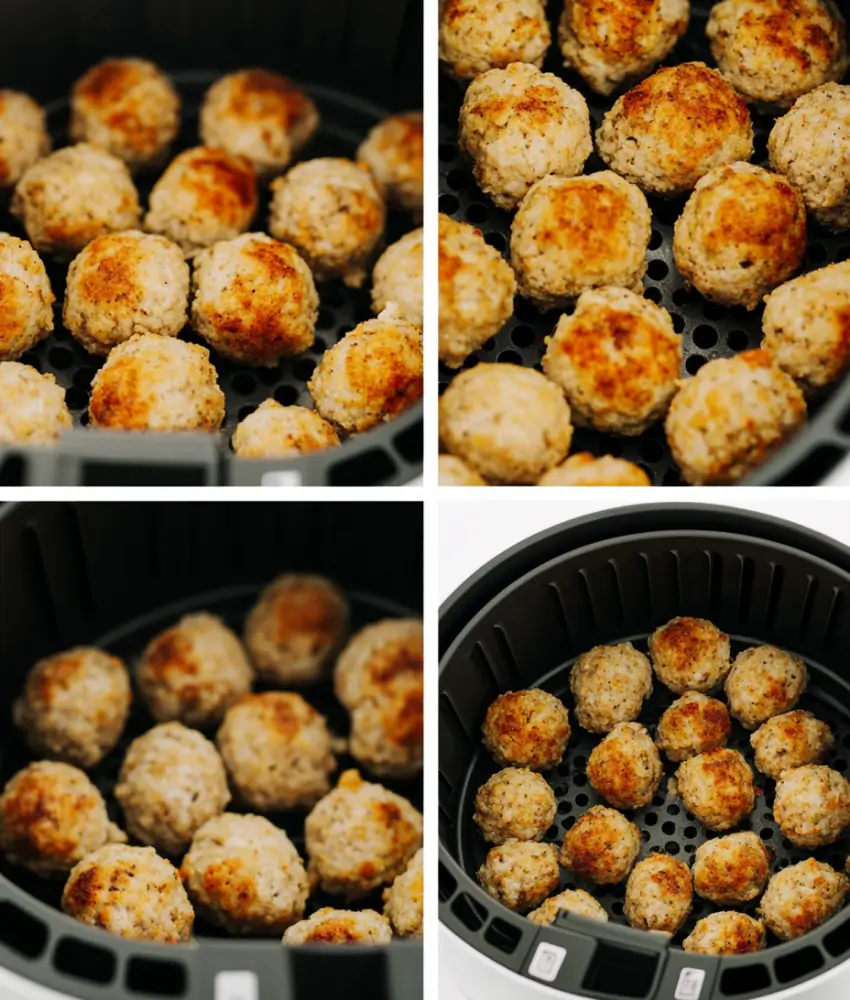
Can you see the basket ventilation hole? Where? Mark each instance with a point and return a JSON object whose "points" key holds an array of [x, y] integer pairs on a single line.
{"points": [[837, 942], [161, 979], [409, 444], [798, 965], [370, 468], [84, 961], [745, 979], [471, 914], [503, 936], [447, 883], [21, 932], [12, 471], [621, 972], [364, 973]]}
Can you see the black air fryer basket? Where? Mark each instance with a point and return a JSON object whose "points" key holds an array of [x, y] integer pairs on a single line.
{"points": [[359, 60], [521, 622], [113, 575], [708, 330]]}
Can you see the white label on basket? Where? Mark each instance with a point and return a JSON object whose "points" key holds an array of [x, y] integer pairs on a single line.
{"points": [[547, 962], [237, 986], [280, 477], [690, 983]]}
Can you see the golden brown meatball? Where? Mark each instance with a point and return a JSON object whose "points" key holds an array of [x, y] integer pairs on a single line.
{"points": [[32, 406], [476, 36], [393, 152], [397, 278], [790, 740], [625, 767], [570, 901], [455, 472], [692, 725], [26, 298], [330, 926], [610, 684], [659, 894], [585, 469], [296, 628], [726, 933], [527, 729], [514, 804], [731, 870], [812, 805], [277, 431], [802, 897], [602, 846], [690, 654], [23, 136], [376, 656], [128, 107], [404, 899], [764, 681], [717, 787], [520, 874]]}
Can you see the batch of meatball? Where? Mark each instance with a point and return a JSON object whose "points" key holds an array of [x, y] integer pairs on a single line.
{"points": [[250, 296], [527, 732], [578, 242], [179, 851]]}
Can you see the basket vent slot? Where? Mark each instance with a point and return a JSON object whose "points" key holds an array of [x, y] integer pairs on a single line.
{"points": [[364, 973], [157, 978], [84, 961], [775, 591], [503, 936], [505, 651], [808, 603], [715, 580], [744, 979], [21, 932], [369, 469], [471, 914], [621, 972], [447, 883], [836, 616], [837, 942], [745, 598], [561, 613], [12, 471], [616, 592], [798, 965]]}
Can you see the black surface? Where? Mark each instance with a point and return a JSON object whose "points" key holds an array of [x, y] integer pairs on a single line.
{"points": [[708, 330]]}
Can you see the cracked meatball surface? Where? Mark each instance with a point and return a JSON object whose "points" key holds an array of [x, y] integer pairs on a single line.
{"points": [[527, 729], [764, 681], [476, 36], [801, 897], [602, 846], [731, 870], [625, 767], [692, 725], [520, 874], [812, 805], [717, 787], [690, 654], [793, 739], [726, 933], [514, 804], [610, 684], [659, 894]]}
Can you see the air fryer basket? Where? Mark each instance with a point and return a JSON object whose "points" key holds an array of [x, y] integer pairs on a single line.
{"points": [[114, 575], [708, 330], [522, 621], [391, 453]]}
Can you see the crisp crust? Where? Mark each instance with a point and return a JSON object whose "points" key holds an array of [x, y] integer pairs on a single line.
{"points": [[393, 151], [731, 870], [475, 36], [609, 684], [601, 846], [625, 767], [23, 135], [514, 804], [527, 729], [801, 897], [659, 894], [26, 298], [812, 805], [274, 430], [520, 874], [585, 469], [330, 926], [726, 933], [791, 740], [764, 681], [692, 725], [690, 654], [717, 787]]}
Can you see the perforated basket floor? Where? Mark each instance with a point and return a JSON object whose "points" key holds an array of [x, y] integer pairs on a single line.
{"points": [[390, 453], [708, 330]]}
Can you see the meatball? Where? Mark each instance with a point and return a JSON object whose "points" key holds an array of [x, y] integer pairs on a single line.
{"points": [[804, 145], [674, 127], [805, 327], [130, 892], [329, 926], [128, 107], [602, 846], [331, 211], [609, 44], [206, 195], [802, 897], [379, 678], [690, 654], [726, 933], [74, 705], [26, 298], [731, 417], [403, 901], [254, 300], [454, 472], [731, 870], [741, 233], [360, 836], [790, 740], [576, 901], [514, 804], [51, 817], [772, 51], [812, 805], [277, 750], [23, 136], [571, 234], [527, 729], [32, 406], [659, 894], [171, 782], [193, 671], [477, 288], [296, 628], [508, 423], [259, 115], [244, 874], [717, 787], [610, 684], [475, 36], [625, 768], [518, 125], [584, 469], [372, 375], [122, 284], [397, 278], [520, 874], [277, 431], [764, 681], [692, 725], [393, 152], [617, 358], [153, 383], [73, 195]]}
